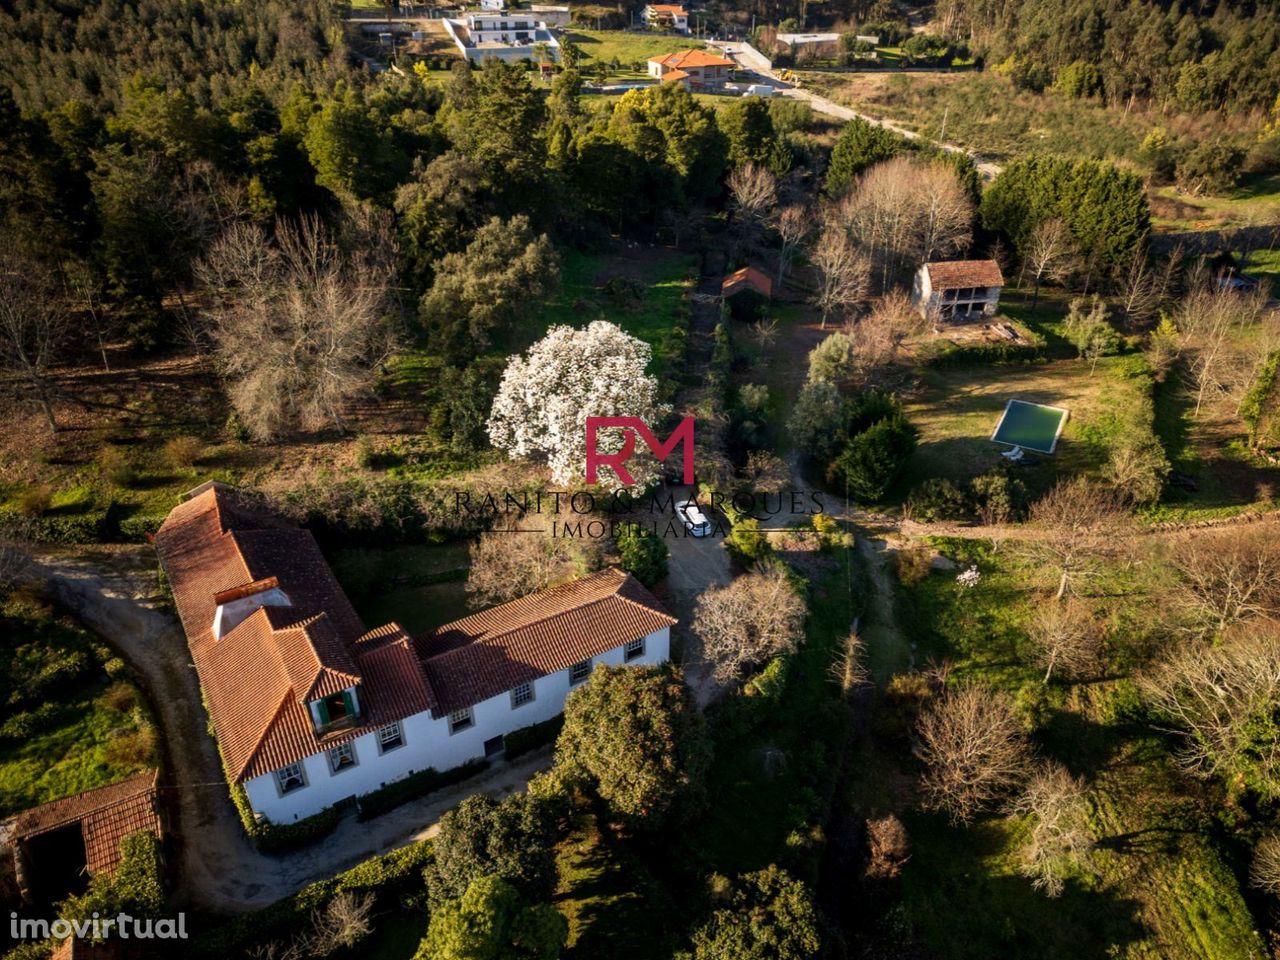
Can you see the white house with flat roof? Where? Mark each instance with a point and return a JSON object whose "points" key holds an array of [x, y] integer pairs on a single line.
{"points": [[510, 37]]}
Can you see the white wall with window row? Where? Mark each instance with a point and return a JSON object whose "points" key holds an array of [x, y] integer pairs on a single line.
{"points": [[421, 741]]}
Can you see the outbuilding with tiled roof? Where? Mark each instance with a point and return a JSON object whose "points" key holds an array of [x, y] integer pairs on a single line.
{"points": [[957, 290]]}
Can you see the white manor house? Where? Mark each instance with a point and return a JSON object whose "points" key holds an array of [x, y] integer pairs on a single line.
{"points": [[311, 708]]}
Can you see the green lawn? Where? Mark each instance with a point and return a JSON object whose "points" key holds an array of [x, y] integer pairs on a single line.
{"points": [[1158, 886], [615, 908], [627, 48], [641, 290], [419, 586], [957, 408], [72, 719]]}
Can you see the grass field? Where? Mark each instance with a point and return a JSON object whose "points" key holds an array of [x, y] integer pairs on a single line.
{"points": [[646, 298], [985, 113], [1158, 885], [626, 49], [419, 586], [957, 408], [73, 720]]}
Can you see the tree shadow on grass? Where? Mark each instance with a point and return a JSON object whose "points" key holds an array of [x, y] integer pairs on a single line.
{"points": [[965, 902]]}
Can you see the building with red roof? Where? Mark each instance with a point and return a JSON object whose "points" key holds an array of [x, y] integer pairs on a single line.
{"points": [[693, 68], [311, 708]]}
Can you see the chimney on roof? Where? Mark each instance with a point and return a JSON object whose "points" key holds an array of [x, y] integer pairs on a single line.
{"points": [[235, 605]]}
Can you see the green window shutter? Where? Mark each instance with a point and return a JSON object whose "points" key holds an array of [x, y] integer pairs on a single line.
{"points": [[324, 712], [348, 703]]}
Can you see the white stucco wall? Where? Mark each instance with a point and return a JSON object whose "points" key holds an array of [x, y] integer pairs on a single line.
{"points": [[428, 743]]}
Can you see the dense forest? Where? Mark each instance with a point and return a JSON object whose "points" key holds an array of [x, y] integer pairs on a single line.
{"points": [[1188, 57]]}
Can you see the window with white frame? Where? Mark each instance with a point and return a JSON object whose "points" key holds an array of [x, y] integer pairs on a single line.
{"points": [[290, 778], [461, 720], [521, 695], [633, 649], [579, 672], [390, 737], [342, 757]]}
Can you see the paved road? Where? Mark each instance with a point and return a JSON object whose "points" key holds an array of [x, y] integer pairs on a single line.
{"points": [[112, 591], [757, 64]]}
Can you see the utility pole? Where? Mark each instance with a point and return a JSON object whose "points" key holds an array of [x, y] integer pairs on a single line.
{"points": [[942, 137]]}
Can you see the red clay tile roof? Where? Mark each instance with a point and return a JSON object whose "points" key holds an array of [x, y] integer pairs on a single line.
{"points": [[259, 677], [672, 8], [685, 59], [106, 816], [748, 278], [487, 653], [73, 949], [311, 649], [956, 274]]}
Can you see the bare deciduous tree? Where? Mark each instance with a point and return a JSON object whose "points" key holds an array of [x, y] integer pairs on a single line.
{"points": [[754, 618], [300, 321], [1059, 840], [879, 334], [753, 192], [973, 749], [766, 472], [888, 848], [1138, 289], [341, 924], [1227, 577], [33, 326], [844, 275], [1050, 255], [904, 212], [794, 225], [1222, 699], [1083, 522], [1065, 637], [1206, 319], [516, 561], [1264, 871]]}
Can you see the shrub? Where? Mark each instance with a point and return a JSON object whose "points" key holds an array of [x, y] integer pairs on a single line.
{"points": [[938, 499], [35, 501], [746, 541], [380, 801], [135, 749], [635, 737], [139, 528], [530, 738], [643, 554], [914, 563], [116, 468], [182, 452], [282, 837], [874, 458], [513, 839]]}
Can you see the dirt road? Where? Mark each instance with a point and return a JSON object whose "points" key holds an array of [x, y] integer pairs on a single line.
{"points": [[112, 590], [751, 60]]}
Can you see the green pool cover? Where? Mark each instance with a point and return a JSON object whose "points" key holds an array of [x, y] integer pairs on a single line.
{"points": [[1032, 426]]}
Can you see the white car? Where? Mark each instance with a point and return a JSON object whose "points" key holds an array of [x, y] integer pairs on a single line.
{"points": [[695, 521], [760, 90]]}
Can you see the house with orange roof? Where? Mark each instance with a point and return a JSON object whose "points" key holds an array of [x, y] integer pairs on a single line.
{"points": [[693, 68], [666, 16], [311, 708]]}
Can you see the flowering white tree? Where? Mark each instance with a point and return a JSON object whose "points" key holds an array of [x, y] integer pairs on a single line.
{"points": [[547, 394]]}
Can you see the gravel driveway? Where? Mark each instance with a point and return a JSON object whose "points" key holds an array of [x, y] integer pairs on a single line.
{"points": [[112, 590], [695, 563]]}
